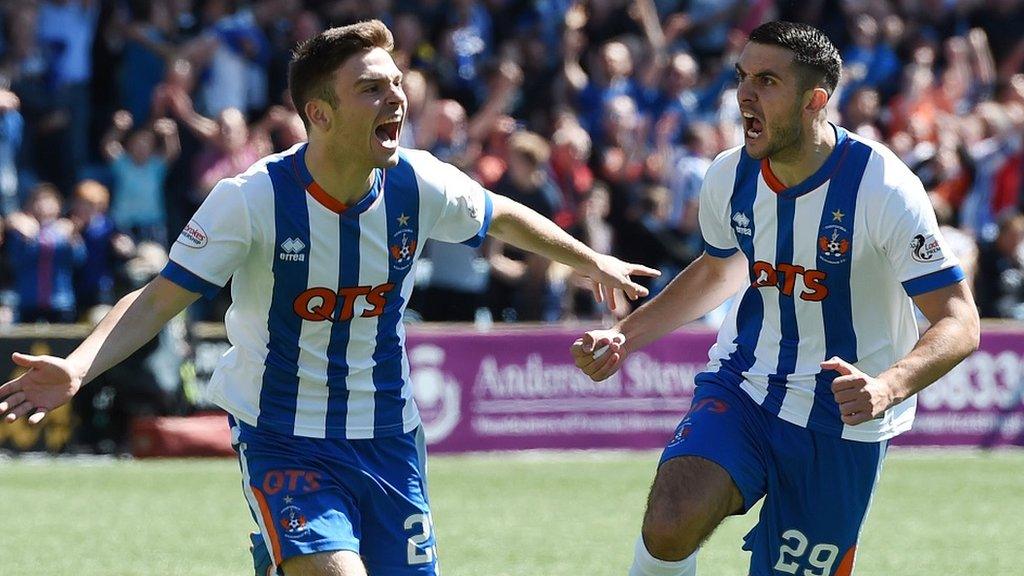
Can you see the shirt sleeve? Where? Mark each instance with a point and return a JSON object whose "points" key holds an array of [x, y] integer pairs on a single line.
{"points": [[912, 242], [466, 213], [713, 215], [213, 244]]}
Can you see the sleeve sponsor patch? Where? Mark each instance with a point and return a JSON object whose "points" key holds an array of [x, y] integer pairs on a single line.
{"points": [[925, 248], [193, 235], [467, 205]]}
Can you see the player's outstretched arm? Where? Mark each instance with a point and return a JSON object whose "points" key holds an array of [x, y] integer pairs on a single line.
{"points": [[953, 335], [524, 228], [697, 290], [51, 381]]}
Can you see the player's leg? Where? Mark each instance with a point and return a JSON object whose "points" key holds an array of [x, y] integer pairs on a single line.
{"points": [[688, 500], [712, 468], [337, 563], [819, 490], [398, 532], [302, 509]]}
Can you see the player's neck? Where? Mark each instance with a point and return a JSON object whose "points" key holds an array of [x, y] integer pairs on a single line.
{"points": [[343, 181], [794, 166]]}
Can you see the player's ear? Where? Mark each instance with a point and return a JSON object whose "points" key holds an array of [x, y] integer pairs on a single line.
{"points": [[817, 100], [317, 112]]}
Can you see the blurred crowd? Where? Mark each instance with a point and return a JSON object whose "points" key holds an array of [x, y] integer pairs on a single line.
{"points": [[118, 117]]}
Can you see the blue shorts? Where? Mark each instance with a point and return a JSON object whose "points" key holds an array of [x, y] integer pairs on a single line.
{"points": [[312, 495], [816, 487]]}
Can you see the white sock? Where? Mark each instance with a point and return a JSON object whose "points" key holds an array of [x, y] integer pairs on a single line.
{"points": [[646, 565]]}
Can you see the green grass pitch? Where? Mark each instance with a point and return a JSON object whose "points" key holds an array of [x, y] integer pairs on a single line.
{"points": [[547, 514]]}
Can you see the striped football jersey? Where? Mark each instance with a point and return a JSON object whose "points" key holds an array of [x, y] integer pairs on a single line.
{"points": [[318, 289], [832, 262]]}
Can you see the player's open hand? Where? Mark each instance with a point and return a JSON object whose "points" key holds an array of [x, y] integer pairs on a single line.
{"points": [[48, 383], [860, 397], [611, 274], [599, 353]]}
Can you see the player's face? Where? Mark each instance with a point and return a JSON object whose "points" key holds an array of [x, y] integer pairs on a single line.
{"points": [[371, 109], [771, 99]]}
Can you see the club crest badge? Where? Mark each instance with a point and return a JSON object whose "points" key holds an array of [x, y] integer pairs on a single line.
{"points": [[834, 244], [402, 247], [293, 522]]}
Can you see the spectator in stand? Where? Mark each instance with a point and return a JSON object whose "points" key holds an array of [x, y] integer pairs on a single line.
{"points": [[570, 157], [450, 136], [862, 114], [453, 277], [66, 32], [411, 43], [679, 95], [625, 79], [707, 23], [520, 288], [690, 162], [420, 94], [148, 45], [868, 61], [284, 125], [1000, 285], [27, 72], [233, 52], [999, 142], [917, 104], [466, 44], [493, 161], [572, 290], [527, 179], [230, 145], [176, 88], [621, 164], [612, 80], [106, 248], [139, 170], [178, 84], [44, 251], [12, 127], [285, 34]]}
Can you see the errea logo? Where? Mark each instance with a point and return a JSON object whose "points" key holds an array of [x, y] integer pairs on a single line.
{"points": [[741, 223], [291, 250]]}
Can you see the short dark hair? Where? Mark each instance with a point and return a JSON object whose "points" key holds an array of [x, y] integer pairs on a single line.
{"points": [[813, 53], [316, 60]]}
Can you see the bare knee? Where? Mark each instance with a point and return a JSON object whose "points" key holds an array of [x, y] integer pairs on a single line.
{"points": [[689, 498], [334, 563]]}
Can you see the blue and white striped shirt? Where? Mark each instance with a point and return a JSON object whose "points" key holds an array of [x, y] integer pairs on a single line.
{"points": [[833, 262], [318, 289]]}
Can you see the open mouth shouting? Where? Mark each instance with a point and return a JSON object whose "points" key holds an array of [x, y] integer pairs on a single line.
{"points": [[387, 133], [753, 126]]}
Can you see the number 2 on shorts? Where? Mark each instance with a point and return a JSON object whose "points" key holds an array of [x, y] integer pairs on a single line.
{"points": [[416, 554]]}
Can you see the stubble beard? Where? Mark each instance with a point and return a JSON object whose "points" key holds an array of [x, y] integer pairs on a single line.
{"points": [[785, 142]]}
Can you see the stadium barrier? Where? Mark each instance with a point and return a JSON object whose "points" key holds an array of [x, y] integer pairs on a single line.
{"points": [[517, 388]]}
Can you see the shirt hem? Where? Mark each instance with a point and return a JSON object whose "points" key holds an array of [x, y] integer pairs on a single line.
{"points": [[361, 433]]}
